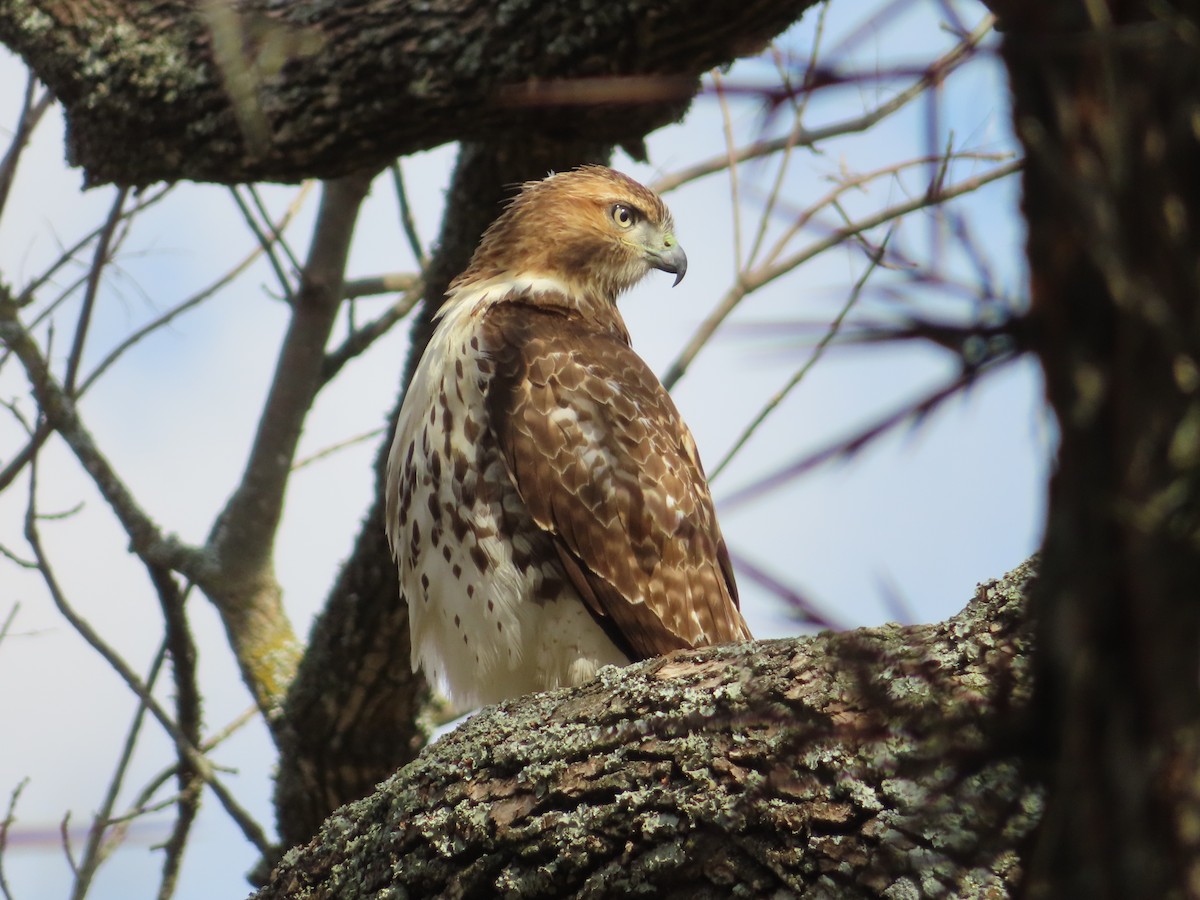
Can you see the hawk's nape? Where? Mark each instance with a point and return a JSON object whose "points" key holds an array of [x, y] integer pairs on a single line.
{"points": [[545, 502]]}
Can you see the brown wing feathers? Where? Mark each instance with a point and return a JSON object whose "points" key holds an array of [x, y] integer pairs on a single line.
{"points": [[602, 460]]}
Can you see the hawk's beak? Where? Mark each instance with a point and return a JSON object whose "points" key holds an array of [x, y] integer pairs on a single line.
{"points": [[670, 258]]}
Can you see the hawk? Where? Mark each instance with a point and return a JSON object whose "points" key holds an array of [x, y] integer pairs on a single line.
{"points": [[545, 504]]}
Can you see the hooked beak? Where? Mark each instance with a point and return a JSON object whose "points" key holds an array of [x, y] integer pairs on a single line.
{"points": [[670, 258]]}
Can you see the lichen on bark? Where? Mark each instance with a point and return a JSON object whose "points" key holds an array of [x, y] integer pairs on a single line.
{"points": [[877, 763]]}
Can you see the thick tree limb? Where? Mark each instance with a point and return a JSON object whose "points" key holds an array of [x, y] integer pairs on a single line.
{"points": [[218, 91], [879, 762]]}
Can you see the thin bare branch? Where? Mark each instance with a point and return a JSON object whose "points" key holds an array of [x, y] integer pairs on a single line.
{"points": [[252, 831], [406, 217], [33, 107], [770, 272], [765, 274], [96, 848], [392, 283], [141, 804], [265, 242], [193, 301], [17, 560], [801, 607], [803, 137], [100, 259], [145, 536], [8, 620], [731, 157], [60, 411], [277, 234], [799, 102], [844, 183], [326, 452], [145, 200], [10, 816], [358, 341], [818, 351], [64, 834], [911, 413], [179, 643]]}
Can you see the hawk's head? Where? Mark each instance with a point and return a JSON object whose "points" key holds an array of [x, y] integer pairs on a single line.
{"points": [[593, 230]]}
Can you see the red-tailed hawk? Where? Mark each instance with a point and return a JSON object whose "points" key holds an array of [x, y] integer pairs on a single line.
{"points": [[545, 502]]}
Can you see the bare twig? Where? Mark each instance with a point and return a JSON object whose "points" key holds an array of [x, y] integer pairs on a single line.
{"points": [[33, 107], [252, 831], [8, 620], [358, 341], [804, 610], [141, 804], [334, 448], [912, 412], [18, 560], [64, 833], [731, 155], [10, 816], [852, 182], [100, 259], [406, 217], [751, 281], [818, 352], [58, 408], [803, 137], [178, 642], [799, 101], [44, 429], [393, 283], [265, 242], [96, 848], [277, 235], [195, 299], [145, 200]]}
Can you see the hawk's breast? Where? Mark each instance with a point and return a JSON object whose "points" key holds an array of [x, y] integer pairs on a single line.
{"points": [[491, 613]]}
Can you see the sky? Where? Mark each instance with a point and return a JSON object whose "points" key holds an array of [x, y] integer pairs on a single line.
{"points": [[902, 531]]}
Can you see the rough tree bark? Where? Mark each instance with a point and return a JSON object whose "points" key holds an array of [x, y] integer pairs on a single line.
{"points": [[883, 762], [259, 90], [1107, 106]]}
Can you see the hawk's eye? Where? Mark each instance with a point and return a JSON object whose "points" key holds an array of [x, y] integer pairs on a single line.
{"points": [[623, 216]]}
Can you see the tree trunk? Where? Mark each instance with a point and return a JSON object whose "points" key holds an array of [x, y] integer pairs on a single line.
{"points": [[877, 763], [1107, 105]]}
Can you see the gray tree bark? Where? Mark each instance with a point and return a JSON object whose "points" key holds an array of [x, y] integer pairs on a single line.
{"points": [[265, 91], [884, 762]]}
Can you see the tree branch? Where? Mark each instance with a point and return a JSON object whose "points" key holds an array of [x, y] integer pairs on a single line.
{"points": [[245, 589], [145, 537], [223, 92], [878, 762]]}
